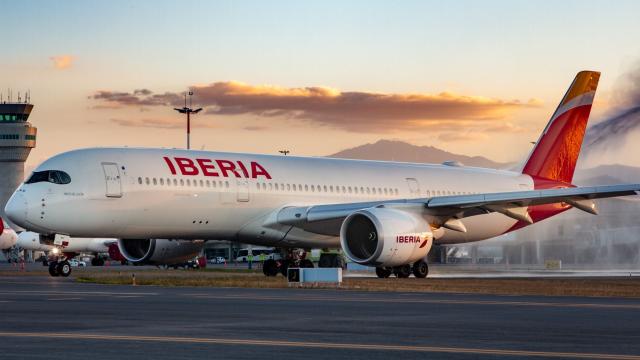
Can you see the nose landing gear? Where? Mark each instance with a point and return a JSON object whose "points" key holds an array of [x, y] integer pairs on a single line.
{"points": [[59, 268]]}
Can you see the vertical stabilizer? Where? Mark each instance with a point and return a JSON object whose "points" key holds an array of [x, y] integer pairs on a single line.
{"points": [[556, 152]]}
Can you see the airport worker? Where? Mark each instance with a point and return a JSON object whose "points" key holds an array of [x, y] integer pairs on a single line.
{"points": [[263, 257], [250, 260]]}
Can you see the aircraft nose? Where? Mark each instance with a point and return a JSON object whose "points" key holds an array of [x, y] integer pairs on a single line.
{"points": [[16, 209]]}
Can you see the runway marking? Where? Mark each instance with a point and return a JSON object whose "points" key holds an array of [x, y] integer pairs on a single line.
{"points": [[321, 345], [419, 301], [65, 299]]}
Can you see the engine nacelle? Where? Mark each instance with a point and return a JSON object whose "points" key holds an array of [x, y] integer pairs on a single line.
{"points": [[385, 237], [159, 251]]}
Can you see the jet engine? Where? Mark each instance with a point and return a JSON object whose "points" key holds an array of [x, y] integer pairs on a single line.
{"points": [[159, 251], [385, 237]]}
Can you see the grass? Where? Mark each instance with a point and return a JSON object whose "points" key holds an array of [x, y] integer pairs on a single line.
{"points": [[609, 287]]}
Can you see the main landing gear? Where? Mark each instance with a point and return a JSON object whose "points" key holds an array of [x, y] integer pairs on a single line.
{"points": [[294, 258], [59, 267], [420, 269]]}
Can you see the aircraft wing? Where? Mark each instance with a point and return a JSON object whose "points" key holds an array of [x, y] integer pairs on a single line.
{"points": [[326, 219]]}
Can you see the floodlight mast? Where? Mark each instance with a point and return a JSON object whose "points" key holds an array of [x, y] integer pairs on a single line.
{"points": [[188, 111]]}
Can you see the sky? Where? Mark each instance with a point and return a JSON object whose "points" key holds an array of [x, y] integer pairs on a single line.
{"points": [[313, 77]]}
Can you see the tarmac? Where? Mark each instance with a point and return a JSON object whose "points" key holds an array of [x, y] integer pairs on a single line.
{"points": [[43, 318]]}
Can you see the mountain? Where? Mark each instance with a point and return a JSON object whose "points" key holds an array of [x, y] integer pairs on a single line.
{"points": [[391, 150], [607, 175]]}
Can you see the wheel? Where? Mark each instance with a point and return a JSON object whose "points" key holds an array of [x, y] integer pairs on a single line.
{"points": [[402, 271], [420, 269], [306, 263], [53, 268], [63, 268], [100, 262], [270, 267], [94, 261], [383, 272]]}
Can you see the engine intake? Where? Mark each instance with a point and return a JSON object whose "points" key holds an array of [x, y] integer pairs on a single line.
{"points": [[385, 237], [159, 251]]}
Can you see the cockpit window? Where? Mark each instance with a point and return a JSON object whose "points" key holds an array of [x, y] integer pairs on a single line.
{"points": [[52, 176]]}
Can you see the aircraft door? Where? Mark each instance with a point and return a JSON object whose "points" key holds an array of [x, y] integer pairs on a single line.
{"points": [[242, 190], [414, 187], [112, 180]]}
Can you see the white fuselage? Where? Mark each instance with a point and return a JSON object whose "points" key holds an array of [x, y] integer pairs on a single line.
{"points": [[145, 193]]}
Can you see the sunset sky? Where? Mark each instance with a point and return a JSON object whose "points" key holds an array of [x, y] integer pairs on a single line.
{"points": [[471, 77]]}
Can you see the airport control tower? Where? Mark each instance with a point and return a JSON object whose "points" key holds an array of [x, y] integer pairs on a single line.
{"points": [[17, 138]]}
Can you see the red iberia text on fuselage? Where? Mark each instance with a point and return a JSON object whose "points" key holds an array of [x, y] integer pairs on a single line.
{"points": [[408, 238], [215, 167]]}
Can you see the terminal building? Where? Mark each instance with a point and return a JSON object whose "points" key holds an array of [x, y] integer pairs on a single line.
{"points": [[17, 138]]}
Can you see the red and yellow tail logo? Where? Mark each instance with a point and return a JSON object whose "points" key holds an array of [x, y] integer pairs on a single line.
{"points": [[556, 152]]}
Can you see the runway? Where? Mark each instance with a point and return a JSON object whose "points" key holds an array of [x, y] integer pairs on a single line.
{"points": [[44, 317]]}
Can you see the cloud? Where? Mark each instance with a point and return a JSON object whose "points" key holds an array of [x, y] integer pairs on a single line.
{"points": [[462, 136], [62, 62], [161, 123], [354, 111]]}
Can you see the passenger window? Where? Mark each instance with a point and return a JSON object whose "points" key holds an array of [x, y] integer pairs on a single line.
{"points": [[175, 182], [331, 188], [140, 180], [226, 184], [155, 182], [181, 182], [147, 181], [313, 188], [288, 187], [325, 188], [258, 186], [161, 181], [202, 183], [306, 187], [208, 183], [264, 186], [270, 186]]}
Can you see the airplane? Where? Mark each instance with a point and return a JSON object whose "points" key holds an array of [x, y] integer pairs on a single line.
{"points": [[382, 214], [8, 236]]}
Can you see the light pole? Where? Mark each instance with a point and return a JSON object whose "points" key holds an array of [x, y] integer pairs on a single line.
{"points": [[188, 111]]}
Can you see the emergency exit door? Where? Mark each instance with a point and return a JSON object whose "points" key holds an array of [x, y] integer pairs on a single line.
{"points": [[414, 187], [243, 190], [112, 180]]}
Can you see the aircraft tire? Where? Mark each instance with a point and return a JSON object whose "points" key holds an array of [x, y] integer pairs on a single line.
{"points": [[270, 268], [383, 272], [63, 268], [420, 269], [403, 271], [53, 268]]}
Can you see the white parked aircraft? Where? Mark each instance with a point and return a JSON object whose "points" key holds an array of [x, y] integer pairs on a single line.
{"points": [[382, 214], [8, 236]]}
